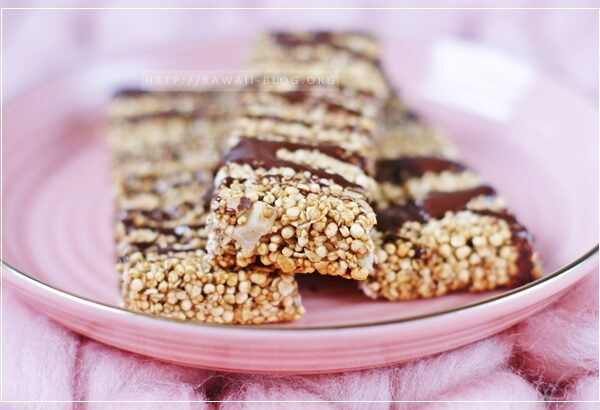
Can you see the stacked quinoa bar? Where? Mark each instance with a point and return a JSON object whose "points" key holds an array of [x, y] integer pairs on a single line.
{"points": [[222, 197], [165, 146]]}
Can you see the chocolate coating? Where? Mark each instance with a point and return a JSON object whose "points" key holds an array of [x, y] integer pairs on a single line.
{"points": [[433, 206], [398, 170], [262, 154]]}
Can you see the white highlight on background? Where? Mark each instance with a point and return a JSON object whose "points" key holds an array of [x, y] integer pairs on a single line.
{"points": [[476, 79]]}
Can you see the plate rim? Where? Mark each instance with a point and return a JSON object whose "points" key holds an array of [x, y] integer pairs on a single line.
{"points": [[589, 255]]}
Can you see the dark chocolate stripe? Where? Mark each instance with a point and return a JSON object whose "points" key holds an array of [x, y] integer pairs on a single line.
{"points": [[433, 206], [391, 218], [354, 91], [436, 204], [262, 154], [174, 114], [398, 170], [521, 240], [331, 150], [171, 249], [171, 114], [304, 96], [130, 92], [300, 94], [145, 247], [130, 225], [159, 214]]}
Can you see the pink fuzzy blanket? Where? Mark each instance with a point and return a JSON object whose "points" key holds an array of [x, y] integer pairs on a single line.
{"points": [[551, 356]]}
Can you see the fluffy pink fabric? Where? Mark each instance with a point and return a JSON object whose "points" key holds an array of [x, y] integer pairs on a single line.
{"points": [[562, 343], [552, 355], [445, 373], [109, 374], [375, 385], [38, 356]]}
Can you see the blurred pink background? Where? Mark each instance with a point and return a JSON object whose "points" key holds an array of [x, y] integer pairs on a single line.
{"points": [[40, 45]]}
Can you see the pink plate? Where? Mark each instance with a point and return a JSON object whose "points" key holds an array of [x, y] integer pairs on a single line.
{"points": [[528, 136]]}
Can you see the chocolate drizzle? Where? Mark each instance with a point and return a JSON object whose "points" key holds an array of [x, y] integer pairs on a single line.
{"points": [[161, 115], [436, 204], [159, 215], [433, 206], [303, 95], [145, 247], [179, 230], [398, 170], [296, 40], [262, 154], [345, 89], [294, 97], [196, 114], [391, 218], [171, 249], [139, 92], [130, 92]]}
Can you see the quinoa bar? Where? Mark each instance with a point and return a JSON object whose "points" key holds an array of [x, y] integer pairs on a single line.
{"points": [[293, 192], [164, 153], [352, 56], [185, 128], [440, 229], [288, 214]]}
